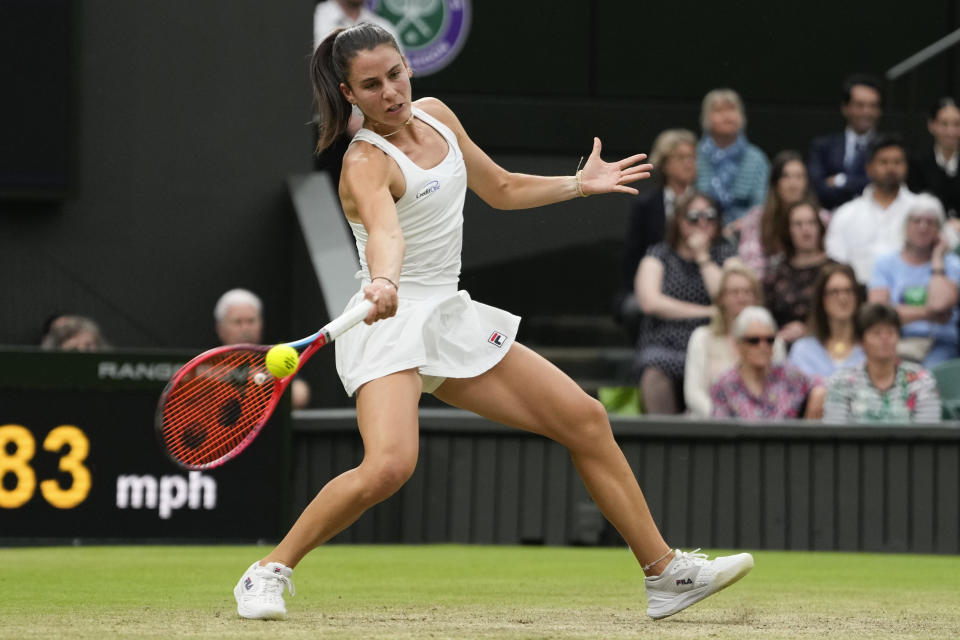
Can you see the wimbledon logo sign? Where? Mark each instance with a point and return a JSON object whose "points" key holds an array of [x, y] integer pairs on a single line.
{"points": [[431, 32]]}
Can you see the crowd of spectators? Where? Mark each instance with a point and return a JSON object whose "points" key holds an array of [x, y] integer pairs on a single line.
{"points": [[818, 286]]}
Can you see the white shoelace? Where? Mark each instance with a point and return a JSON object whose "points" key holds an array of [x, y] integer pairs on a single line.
{"points": [[686, 559], [273, 583]]}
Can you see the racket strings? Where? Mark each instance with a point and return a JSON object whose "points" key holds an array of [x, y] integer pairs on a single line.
{"points": [[214, 411], [216, 394], [213, 407]]}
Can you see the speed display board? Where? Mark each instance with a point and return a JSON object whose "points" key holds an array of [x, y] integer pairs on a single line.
{"points": [[79, 458]]}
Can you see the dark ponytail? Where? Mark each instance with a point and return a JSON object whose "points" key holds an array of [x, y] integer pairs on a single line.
{"points": [[330, 65]]}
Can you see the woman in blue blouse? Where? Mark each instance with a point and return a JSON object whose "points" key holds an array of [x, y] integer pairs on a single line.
{"points": [[832, 345]]}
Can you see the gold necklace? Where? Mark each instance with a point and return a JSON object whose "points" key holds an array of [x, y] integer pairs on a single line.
{"points": [[838, 348], [387, 135]]}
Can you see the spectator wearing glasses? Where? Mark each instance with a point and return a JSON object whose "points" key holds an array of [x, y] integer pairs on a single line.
{"points": [[757, 388], [832, 343], [921, 282], [712, 348], [884, 388], [674, 285]]}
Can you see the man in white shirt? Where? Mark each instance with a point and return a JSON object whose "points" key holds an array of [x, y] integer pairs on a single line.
{"points": [[333, 14], [872, 225], [327, 16]]}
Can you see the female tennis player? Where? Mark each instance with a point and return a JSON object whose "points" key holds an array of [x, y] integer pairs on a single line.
{"points": [[403, 184]]}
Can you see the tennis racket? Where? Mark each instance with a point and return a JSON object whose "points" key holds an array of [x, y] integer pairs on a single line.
{"points": [[216, 404]]}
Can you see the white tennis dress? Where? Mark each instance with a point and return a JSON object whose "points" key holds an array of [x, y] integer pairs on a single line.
{"points": [[437, 330]]}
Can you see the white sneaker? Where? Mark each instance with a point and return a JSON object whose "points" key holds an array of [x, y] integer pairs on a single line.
{"points": [[259, 593], [689, 578]]}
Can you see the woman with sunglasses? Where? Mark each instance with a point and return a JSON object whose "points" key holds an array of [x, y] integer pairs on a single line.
{"points": [[757, 388], [712, 349], [675, 283]]}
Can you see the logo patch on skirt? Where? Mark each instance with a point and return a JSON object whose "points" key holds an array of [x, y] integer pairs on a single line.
{"points": [[497, 338]]}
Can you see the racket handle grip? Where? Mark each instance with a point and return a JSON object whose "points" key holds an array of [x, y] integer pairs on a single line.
{"points": [[347, 319]]}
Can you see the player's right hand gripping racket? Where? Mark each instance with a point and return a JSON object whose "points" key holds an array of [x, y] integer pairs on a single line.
{"points": [[217, 403]]}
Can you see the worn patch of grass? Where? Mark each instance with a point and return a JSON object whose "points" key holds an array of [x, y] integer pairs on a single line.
{"points": [[450, 591]]}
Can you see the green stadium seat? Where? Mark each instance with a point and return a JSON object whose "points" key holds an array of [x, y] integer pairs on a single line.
{"points": [[947, 375], [623, 401]]}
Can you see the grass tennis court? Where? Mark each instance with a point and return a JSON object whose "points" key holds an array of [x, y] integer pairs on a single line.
{"points": [[452, 591]]}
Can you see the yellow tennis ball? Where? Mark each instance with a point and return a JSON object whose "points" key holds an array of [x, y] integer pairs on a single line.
{"points": [[282, 360]]}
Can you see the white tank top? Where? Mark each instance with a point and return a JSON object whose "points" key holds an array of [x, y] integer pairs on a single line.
{"points": [[430, 211]]}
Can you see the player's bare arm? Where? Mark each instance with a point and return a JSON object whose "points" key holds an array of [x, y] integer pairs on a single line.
{"points": [[369, 185], [502, 189]]}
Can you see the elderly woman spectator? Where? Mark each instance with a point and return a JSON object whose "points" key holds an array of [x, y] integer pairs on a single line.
{"points": [[788, 283], [884, 388], [921, 281], [729, 169], [712, 348], [760, 229], [935, 169], [757, 388], [674, 158], [832, 344], [674, 285]]}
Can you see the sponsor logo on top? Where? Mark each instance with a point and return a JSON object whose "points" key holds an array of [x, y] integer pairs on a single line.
{"points": [[432, 186], [497, 339]]}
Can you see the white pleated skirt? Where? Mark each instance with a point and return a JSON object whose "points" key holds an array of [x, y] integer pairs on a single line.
{"points": [[439, 331]]}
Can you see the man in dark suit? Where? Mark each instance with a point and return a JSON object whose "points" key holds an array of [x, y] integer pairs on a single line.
{"points": [[837, 163]]}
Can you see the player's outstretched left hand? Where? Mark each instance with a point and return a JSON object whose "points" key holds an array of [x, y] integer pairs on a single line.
{"points": [[607, 177]]}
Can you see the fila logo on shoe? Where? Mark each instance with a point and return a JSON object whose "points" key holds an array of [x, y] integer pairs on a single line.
{"points": [[685, 581]]}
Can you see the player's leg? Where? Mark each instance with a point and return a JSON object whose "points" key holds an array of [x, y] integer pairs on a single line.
{"points": [[387, 413], [530, 393]]}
